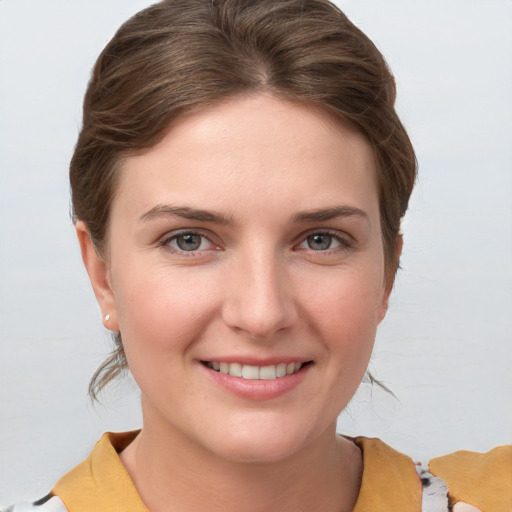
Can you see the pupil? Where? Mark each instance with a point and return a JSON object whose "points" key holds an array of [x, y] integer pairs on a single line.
{"points": [[319, 242], [188, 242]]}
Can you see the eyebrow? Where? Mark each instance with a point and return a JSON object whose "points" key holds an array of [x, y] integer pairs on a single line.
{"points": [[198, 214], [186, 212], [333, 212]]}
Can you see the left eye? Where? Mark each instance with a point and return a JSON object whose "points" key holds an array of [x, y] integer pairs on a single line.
{"points": [[321, 242], [189, 242]]}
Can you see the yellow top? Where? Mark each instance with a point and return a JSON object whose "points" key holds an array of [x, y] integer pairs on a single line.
{"points": [[101, 482], [389, 483], [480, 479]]}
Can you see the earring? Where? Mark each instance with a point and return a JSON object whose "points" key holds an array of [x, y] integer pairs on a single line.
{"points": [[107, 317]]}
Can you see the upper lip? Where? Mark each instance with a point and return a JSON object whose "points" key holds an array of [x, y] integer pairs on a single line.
{"points": [[257, 361]]}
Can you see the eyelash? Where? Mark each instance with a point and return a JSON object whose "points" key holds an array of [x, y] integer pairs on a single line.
{"points": [[166, 241], [345, 243]]}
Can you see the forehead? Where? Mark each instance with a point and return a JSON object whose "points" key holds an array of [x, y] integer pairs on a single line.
{"points": [[256, 150]]}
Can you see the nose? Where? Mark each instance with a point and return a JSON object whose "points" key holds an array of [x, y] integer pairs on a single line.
{"points": [[259, 299]]}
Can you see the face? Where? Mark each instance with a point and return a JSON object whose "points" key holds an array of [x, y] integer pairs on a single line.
{"points": [[245, 273]]}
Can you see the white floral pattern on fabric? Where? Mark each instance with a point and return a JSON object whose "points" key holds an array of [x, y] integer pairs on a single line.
{"points": [[52, 505], [435, 492], [435, 495], [434, 498]]}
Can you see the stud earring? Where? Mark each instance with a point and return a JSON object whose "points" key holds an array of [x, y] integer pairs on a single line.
{"points": [[107, 317]]}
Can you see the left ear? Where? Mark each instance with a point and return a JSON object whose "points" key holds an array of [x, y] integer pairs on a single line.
{"points": [[390, 280]]}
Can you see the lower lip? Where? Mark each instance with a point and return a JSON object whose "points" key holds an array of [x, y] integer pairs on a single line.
{"points": [[258, 389]]}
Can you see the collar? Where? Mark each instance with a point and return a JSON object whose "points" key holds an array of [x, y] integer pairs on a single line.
{"points": [[101, 482], [389, 482]]}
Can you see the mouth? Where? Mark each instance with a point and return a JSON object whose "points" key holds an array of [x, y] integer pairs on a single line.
{"points": [[250, 372]]}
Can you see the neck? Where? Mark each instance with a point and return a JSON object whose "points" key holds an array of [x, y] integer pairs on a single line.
{"points": [[171, 472]]}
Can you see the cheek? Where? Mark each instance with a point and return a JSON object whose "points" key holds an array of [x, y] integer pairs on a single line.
{"points": [[162, 313], [348, 299], [346, 312]]}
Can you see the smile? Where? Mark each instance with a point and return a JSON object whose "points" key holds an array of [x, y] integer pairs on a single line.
{"points": [[250, 372]]}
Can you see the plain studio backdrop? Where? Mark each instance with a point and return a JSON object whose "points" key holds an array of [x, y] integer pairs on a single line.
{"points": [[445, 348]]}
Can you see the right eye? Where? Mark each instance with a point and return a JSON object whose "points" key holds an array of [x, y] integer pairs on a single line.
{"points": [[188, 242]]}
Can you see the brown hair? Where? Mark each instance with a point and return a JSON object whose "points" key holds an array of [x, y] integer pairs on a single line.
{"points": [[178, 56]]}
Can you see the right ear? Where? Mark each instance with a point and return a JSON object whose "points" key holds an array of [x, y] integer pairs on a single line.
{"points": [[99, 276]]}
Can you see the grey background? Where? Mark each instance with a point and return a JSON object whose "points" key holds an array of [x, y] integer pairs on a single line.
{"points": [[445, 348]]}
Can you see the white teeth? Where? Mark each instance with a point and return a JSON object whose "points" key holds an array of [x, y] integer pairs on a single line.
{"points": [[246, 371], [268, 372], [235, 369], [250, 372], [281, 370]]}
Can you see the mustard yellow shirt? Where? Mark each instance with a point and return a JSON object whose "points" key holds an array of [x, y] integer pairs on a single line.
{"points": [[390, 481]]}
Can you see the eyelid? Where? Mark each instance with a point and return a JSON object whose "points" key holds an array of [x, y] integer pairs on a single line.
{"points": [[346, 241], [165, 240]]}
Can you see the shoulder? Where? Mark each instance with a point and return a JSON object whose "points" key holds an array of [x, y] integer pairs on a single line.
{"points": [[459, 482], [48, 504], [482, 479], [97, 484]]}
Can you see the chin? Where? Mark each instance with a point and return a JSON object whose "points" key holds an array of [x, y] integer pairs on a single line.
{"points": [[267, 443], [258, 450]]}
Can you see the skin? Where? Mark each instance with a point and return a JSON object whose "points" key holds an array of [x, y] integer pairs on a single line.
{"points": [[259, 287]]}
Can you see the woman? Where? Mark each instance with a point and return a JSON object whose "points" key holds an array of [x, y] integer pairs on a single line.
{"points": [[238, 186]]}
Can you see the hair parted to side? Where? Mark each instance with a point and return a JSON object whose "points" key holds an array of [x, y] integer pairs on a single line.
{"points": [[179, 56]]}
